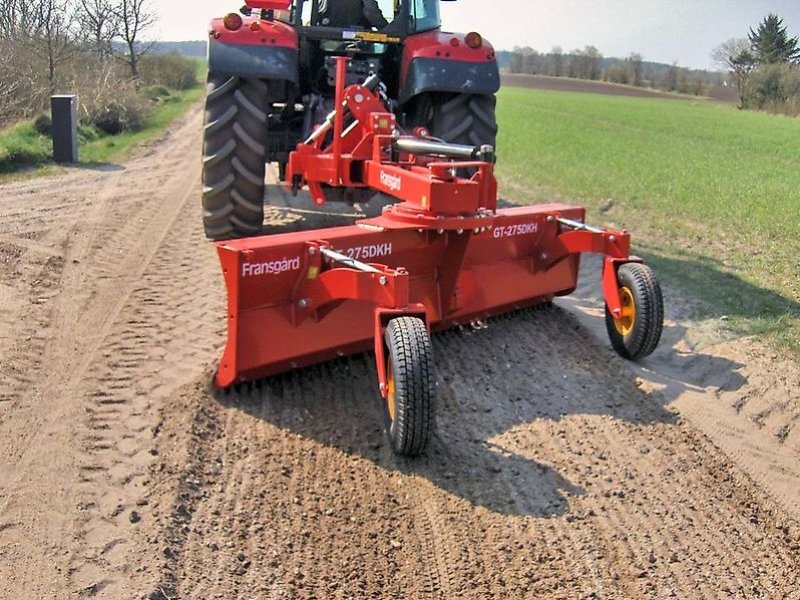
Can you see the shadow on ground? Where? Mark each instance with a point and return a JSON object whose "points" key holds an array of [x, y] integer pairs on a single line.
{"points": [[725, 293], [527, 367]]}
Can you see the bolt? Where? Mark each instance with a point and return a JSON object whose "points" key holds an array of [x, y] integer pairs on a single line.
{"points": [[550, 218], [460, 231], [476, 230], [543, 256], [312, 251], [612, 239], [382, 280], [440, 231], [303, 303]]}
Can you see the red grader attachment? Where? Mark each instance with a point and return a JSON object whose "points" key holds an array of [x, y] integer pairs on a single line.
{"points": [[443, 255]]}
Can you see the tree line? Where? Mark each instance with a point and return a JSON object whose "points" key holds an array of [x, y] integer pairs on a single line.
{"points": [[91, 47], [589, 63], [764, 67]]}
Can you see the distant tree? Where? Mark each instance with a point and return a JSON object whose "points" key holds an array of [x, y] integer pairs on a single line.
{"points": [[593, 60], [669, 81], [771, 43], [736, 57], [134, 18], [585, 64], [556, 63], [99, 25], [50, 34], [517, 60], [616, 74], [635, 69], [532, 63]]}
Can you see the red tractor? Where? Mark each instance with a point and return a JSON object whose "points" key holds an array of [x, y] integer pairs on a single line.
{"points": [[271, 82], [407, 112]]}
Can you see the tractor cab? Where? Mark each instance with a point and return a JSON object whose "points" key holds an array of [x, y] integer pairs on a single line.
{"points": [[404, 17], [372, 49], [272, 82]]}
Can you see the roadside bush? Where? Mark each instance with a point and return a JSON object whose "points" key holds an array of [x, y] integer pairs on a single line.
{"points": [[128, 113], [23, 85], [43, 124], [774, 88], [108, 99], [156, 92], [170, 70], [22, 147]]}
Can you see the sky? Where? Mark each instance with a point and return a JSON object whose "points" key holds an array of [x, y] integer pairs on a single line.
{"points": [[682, 31]]}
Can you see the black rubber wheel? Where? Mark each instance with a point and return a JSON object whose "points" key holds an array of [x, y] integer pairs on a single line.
{"points": [[636, 333], [234, 156], [410, 406], [467, 119]]}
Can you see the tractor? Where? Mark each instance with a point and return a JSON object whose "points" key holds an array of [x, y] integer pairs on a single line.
{"points": [[406, 112], [271, 82]]}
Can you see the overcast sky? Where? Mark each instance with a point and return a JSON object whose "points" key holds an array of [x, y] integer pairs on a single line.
{"points": [[685, 31]]}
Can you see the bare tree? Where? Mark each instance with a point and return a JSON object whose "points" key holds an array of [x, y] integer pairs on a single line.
{"points": [[134, 18], [737, 58], [99, 24], [635, 64], [557, 62], [50, 35], [18, 17]]}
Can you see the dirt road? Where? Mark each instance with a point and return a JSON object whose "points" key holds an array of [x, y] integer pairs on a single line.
{"points": [[558, 470]]}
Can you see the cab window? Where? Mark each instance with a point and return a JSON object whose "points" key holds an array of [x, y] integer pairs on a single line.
{"points": [[425, 15]]}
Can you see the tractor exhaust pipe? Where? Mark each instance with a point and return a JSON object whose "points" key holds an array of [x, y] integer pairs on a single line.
{"points": [[417, 146]]}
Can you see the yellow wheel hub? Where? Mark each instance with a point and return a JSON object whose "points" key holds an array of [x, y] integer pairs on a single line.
{"points": [[390, 394], [627, 318]]}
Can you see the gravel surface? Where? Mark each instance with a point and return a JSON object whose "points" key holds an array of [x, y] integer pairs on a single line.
{"points": [[558, 469]]}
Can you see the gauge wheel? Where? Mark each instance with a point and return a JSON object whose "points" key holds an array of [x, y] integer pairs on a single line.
{"points": [[635, 333], [410, 403]]}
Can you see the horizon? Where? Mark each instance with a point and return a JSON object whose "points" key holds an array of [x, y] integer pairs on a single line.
{"points": [[682, 31]]}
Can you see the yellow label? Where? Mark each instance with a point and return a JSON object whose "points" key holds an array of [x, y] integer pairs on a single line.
{"points": [[425, 202], [381, 38], [313, 272]]}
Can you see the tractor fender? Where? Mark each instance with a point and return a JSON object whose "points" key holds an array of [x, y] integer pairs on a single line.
{"points": [[437, 61], [261, 48]]}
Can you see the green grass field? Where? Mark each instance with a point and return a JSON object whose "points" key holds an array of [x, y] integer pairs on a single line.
{"points": [[711, 194]]}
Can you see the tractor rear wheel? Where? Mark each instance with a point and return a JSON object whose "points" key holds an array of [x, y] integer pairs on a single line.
{"points": [[637, 331], [234, 156], [467, 119], [410, 405]]}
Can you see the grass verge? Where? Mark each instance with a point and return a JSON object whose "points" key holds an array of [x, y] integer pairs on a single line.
{"points": [[22, 148], [711, 194]]}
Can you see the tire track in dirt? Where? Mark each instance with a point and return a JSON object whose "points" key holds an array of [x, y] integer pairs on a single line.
{"points": [[99, 342], [742, 395], [552, 474]]}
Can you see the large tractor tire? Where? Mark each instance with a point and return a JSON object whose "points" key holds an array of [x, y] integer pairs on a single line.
{"points": [[467, 119], [234, 156]]}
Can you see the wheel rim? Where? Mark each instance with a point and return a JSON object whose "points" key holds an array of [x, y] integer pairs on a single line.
{"points": [[627, 318], [390, 403]]}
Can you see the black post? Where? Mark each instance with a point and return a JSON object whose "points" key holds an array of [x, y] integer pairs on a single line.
{"points": [[65, 128]]}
